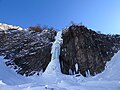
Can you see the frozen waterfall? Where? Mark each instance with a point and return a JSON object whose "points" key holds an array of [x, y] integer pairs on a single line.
{"points": [[54, 65]]}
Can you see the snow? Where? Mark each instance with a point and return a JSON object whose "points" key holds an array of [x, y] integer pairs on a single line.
{"points": [[112, 71], [6, 27], [8, 76], [53, 79]]}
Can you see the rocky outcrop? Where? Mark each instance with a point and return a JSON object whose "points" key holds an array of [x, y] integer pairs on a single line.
{"points": [[27, 51], [85, 51]]}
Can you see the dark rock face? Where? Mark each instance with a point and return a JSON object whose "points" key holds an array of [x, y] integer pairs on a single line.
{"points": [[28, 51], [86, 50]]}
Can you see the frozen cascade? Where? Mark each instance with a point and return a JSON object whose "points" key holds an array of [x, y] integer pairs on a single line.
{"points": [[54, 65]]}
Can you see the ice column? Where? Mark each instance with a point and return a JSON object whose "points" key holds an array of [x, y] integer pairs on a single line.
{"points": [[54, 65]]}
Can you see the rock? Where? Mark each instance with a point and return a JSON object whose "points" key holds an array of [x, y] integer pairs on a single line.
{"points": [[29, 51], [86, 48], [83, 50]]}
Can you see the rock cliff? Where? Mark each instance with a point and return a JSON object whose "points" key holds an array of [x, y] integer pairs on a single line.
{"points": [[83, 50], [27, 51]]}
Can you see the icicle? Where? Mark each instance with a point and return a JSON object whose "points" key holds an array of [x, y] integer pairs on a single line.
{"points": [[76, 67], [70, 72], [94, 73], [87, 73]]}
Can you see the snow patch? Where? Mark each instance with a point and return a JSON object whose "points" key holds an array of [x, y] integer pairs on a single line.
{"points": [[8, 76], [112, 71]]}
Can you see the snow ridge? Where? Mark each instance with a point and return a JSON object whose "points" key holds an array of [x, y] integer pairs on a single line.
{"points": [[6, 27]]}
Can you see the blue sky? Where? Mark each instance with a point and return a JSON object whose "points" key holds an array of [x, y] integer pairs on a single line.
{"points": [[99, 15]]}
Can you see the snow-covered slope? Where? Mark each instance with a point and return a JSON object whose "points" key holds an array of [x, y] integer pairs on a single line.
{"points": [[8, 76], [112, 71], [51, 80]]}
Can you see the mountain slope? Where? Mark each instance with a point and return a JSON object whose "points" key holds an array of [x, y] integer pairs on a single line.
{"points": [[112, 71], [4, 27], [28, 51], [10, 77], [83, 50], [54, 80]]}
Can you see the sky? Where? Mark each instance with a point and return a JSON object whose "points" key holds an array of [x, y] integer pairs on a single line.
{"points": [[98, 15]]}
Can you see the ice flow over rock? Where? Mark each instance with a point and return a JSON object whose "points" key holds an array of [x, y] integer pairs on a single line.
{"points": [[54, 65]]}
